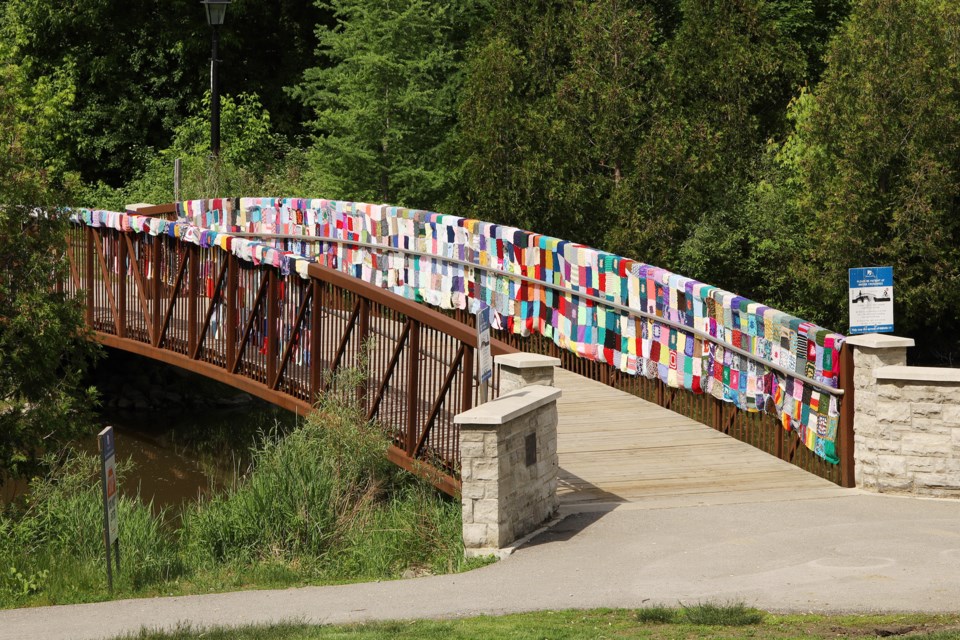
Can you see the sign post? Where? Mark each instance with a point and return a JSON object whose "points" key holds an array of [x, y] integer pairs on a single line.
{"points": [[108, 481], [483, 349], [871, 300]]}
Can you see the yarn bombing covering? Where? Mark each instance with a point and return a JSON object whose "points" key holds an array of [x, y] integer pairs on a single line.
{"points": [[634, 345]]}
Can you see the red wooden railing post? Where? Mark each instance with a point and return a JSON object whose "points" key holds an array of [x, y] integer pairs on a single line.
{"points": [[846, 427], [88, 276], [273, 322], [413, 387], [233, 317]]}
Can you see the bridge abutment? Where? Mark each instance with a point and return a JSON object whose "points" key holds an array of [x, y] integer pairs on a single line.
{"points": [[508, 454], [906, 421]]}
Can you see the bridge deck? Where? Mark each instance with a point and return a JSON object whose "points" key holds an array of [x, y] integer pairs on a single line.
{"points": [[616, 448]]}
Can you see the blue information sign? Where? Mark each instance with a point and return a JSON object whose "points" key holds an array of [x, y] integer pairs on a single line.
{"points": [[871, 300]]}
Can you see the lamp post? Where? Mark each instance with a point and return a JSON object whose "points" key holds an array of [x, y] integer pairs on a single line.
{"points": [[216, 11]]}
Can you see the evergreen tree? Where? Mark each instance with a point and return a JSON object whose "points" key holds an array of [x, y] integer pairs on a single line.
{"points": [[879, 165], [552, 113], [728, 73], [384, 98]]}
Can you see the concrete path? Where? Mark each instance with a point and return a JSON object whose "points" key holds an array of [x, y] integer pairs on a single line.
{"points": [[857, 553]]}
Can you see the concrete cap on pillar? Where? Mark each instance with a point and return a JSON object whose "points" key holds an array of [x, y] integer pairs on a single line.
{"points": [[879, 341], [522, 360]]}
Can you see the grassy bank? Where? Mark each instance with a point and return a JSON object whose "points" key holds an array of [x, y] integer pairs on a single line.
{"points": [[321, 505], [701, 621]]}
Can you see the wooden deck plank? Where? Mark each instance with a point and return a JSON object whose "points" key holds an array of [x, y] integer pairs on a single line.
{"points": [[617, 448]]}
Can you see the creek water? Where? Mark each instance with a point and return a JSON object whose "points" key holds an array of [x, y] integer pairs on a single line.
{"points": [[185, 435], [166, 469]]}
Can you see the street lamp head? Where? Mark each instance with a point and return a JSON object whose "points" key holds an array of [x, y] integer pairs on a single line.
{"points": [[216, 10]]}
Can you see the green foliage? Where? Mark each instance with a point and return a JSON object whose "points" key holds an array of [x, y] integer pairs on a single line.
{"points": [[322, 504], [552, 113], [55, 539], [728, 72], [134, 68], [326, 491], [869, 173], [656, 615], [43, 349], [579, 624], [253, 159], [384, 99], [726, 615]]}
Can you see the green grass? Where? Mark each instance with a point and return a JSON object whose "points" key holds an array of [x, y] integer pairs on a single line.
{"points": [[322, 505], [569, 625], [724, 615]]}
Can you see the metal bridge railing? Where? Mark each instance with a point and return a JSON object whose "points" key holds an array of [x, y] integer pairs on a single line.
{"points": [[284, 337]]}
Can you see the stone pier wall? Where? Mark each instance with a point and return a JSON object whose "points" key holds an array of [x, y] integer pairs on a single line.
{"points": [[508, 455], [906, 422]]}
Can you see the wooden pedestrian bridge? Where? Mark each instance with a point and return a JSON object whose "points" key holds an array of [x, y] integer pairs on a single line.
{"points": [[666, 381]]}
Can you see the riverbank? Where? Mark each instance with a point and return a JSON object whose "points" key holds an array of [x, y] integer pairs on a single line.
{"points": [[319, 505]]}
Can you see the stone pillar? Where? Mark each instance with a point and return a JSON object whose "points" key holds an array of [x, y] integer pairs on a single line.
{"points": [[508, 456], [874, 442], [519, 370]]}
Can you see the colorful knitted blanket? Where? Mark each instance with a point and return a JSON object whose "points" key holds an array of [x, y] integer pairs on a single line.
{"points": [[664, 340]]}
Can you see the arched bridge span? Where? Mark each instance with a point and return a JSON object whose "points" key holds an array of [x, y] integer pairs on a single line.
{"points": [[244, 306]]}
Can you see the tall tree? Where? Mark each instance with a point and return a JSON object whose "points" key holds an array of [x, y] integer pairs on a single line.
{"points": [[384, 98], [558, 94], [880, 163], [43, 348], [728, 72]]}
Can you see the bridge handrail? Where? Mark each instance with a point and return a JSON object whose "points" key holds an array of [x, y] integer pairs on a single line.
{"points": [[421, 365], [580, 294]]}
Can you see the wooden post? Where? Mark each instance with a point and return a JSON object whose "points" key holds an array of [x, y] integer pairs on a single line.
{"points": [[122, 285], [845, 433], [413, 386], [233, 316]]}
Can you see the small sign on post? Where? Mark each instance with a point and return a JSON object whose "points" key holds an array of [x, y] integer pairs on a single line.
{"points": [[108, 480], [871, 300], [483, 349]]}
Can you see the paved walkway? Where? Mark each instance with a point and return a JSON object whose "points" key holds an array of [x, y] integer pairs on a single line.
{"points": [[662, 537]]}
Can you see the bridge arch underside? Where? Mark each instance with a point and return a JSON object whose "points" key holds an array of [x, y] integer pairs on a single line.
{"points": [[208, 370], [273, 396]]}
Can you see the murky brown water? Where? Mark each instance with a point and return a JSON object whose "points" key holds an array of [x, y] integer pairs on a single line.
{"points": [[178, 457], [163, 472], [192, 439]]}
